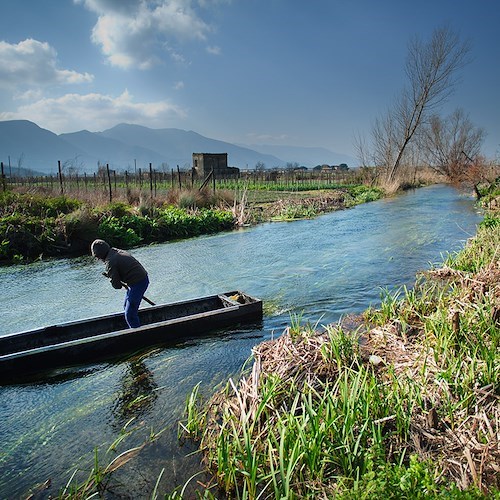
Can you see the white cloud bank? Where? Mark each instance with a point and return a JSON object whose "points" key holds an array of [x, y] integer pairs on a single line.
{"points": [[94, 112], [137, 33], [32, 63]]}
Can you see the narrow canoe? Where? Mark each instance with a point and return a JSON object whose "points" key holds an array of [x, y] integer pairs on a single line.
{"points": [[107, 337]]}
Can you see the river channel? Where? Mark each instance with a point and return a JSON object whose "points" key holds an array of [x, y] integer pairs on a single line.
{"points": [[319, 269]]}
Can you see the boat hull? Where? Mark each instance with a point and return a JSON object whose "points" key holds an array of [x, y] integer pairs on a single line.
{"points": [[108, 337]]}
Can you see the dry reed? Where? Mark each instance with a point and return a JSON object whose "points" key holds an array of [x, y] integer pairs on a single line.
{"points": [[464, 446]]}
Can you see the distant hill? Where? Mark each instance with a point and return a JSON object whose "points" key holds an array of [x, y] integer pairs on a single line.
{"points": [[126, 146], [31, 147], [177, 146]]}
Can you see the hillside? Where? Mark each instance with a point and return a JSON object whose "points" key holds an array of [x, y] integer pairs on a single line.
{"points": [[23, 144]]}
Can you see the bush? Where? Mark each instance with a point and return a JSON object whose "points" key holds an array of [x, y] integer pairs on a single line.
{"points": [[364, 194], [117, 209], [36, 205], [116, 234]]}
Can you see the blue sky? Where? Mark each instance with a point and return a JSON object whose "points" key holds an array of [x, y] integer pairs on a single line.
{"points": [[287, 72]]}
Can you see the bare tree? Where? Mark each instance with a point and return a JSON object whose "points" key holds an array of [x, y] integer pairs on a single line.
{"points": [[72, 166], [385, 143], [431, 69], [20, 161], [451, 145]]}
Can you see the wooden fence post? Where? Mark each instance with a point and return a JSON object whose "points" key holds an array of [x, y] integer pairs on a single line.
{"points": [[3, 178], [60, 176], [151, 180], [179, 176], [109, 183]]}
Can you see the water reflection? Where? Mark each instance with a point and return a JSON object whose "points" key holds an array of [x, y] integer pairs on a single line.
{"points": [[137, 392]]}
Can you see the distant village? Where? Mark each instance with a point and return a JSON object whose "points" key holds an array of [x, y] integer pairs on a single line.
{"points": [[205, 163], [327, 168]]}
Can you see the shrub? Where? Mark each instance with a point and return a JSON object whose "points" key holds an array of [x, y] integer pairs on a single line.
{"points": [[117, 209], [113, 231], [36, 205]]}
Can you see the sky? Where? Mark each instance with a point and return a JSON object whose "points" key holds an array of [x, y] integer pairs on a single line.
{"points": [[310, 73]]}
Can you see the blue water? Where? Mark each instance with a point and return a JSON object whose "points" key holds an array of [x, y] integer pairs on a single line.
{"points": [[318, 269]]}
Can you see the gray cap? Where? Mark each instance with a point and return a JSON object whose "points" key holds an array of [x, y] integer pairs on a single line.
{"points": [[100, 249]]}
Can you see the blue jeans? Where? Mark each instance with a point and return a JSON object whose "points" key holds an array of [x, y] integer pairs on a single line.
{"points": [[133, 299]]}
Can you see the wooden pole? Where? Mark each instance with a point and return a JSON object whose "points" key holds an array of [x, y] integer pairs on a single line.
{"points": [[109, 183], [3, 178], [151, 179], [179, 176], [60, 176]]}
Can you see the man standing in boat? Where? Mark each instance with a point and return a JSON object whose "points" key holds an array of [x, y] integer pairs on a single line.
{"points": [[124, 270]]}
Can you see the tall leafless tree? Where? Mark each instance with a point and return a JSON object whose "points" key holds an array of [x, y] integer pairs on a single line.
{"points": [[431, 69]]}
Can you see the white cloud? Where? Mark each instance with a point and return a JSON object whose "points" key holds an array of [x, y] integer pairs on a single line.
{"points": [[29, 95], [109, 6], [214, 50], [267, 138], [179, 85], [34, 63], [94, 112], [130, 33]]}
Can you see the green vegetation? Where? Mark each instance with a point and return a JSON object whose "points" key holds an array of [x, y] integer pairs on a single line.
{"points": [[35, 226], [405, 406], [307, 204], [284, 184]]}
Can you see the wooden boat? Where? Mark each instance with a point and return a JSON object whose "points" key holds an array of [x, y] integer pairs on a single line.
{"points": [[107, 337]]}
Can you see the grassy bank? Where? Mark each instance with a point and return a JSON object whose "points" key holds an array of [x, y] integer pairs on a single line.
{"points": [[406, 405], [36, 226]]}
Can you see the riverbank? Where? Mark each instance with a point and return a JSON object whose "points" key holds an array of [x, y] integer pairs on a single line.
{"points": [[36, 226], [405, 404]]}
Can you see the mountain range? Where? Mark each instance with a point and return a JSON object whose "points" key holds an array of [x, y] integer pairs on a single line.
{"points": [[25, 145]]}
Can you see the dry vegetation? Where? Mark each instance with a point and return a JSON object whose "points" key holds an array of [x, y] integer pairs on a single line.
{"points": [[406, 404]]}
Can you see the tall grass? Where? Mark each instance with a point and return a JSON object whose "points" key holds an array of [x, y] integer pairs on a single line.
{"points": [[323, 415]]}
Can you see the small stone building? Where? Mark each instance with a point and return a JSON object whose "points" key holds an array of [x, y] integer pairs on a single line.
{"points": [[204, 163]]}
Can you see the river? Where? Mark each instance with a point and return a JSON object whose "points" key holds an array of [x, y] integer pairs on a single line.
{"points": [[318, 270]]}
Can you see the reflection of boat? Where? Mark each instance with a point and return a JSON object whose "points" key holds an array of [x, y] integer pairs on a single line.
{"points": [[105, 337]]}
